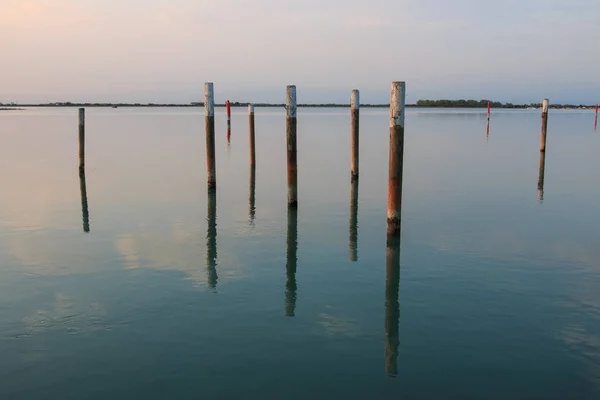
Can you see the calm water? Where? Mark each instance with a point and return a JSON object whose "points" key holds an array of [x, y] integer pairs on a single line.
{"points": [[173, 294]]}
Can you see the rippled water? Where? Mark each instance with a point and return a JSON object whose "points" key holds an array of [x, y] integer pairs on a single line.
{"points": [[134, 283]]}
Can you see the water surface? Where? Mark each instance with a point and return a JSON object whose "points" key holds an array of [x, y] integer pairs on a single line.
{"points": [[135, 283]]}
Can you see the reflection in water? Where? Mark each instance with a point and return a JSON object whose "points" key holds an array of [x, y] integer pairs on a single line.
{"points": [[252, 198], [487, 131], [541, 176], [392, 307], [211, 240], [354, 221], [228, 135], [291, 261], [84, 202]]}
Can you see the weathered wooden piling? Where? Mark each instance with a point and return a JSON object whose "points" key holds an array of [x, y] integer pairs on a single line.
{"points": [[251, 134], [209, 121], [84, 202], [541, 176], [291, 262], [354, 221], [291, 129], [544, 124], [397, 114], [392, 307], [81, 139], [211, 240], [355, 114]]}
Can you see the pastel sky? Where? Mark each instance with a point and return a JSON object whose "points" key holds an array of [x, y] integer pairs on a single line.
{"points": [[164, 50]]}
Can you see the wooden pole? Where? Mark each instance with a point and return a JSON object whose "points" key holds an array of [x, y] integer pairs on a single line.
{"points": [[228, 108], [211, 240], [544, 124], [209, 124], [291, 262], [292, 166], [355, 114], [397, 113], [392, 307], [541, 176], [251, 133], [84, 202], [354, 221], [81, 139]]}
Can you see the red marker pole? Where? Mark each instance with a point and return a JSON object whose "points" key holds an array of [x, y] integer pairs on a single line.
{"points": [[228, 108], [489, 110]]}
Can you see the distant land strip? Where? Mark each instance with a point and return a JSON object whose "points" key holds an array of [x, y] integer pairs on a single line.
{"points": [[419, 104]]}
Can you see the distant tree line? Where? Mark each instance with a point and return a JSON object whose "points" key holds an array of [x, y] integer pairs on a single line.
{"points": [[483, 104]]}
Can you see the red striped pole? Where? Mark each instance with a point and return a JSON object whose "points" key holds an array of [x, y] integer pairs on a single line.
{"points": [[228, 108]]}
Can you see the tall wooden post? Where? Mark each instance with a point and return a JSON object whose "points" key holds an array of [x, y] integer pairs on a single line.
{"points": [[397, 113], [81, 139], [209, 123], [544, 124], [251, 134], [292, 167], [355, 113]]}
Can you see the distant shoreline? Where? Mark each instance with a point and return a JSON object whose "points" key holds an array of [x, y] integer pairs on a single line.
{"points": [[445, 105]]}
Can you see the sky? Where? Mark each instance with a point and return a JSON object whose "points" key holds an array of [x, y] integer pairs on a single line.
{"points": [[164, 50]]}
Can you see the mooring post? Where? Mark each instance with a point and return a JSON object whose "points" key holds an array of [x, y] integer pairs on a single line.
{"points": [[544, 124], [397, 113], [228, 109], [251, 133], [355, 113], [209, 124], [292, 167], [81, 139]]}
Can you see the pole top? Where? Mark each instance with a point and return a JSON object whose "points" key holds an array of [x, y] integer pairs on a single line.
{"points": [[251, 108], [209, 99], [355, 100], [290, 101], [397, 104], [545, 105]]}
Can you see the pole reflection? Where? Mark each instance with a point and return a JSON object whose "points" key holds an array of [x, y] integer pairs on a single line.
{"points": [[354, 221], [541, 176], [291, 261], [392, 306], [211, 240], [84, 202], [252, 197]]}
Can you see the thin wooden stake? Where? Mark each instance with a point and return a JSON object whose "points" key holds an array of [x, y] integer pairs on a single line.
{"points": [[209, 123], [251, 132], [544, 124], [292, 166], [81, 139], [355, 114]]}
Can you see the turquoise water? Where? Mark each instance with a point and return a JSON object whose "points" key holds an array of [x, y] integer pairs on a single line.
{"points": [[174, 294]]}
